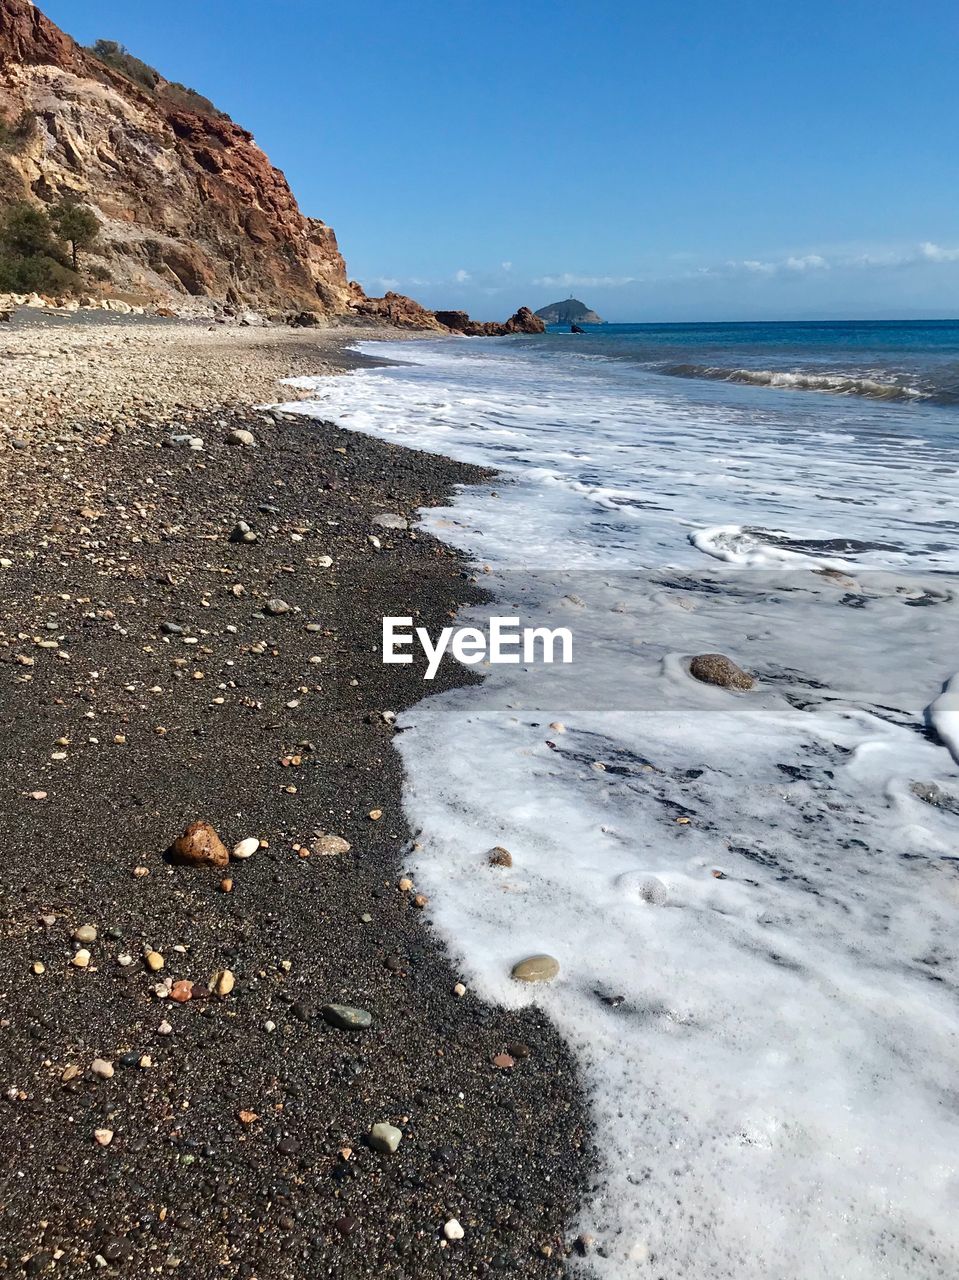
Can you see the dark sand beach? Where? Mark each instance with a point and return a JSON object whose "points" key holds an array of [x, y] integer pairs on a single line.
{"points": [[145, 685]]}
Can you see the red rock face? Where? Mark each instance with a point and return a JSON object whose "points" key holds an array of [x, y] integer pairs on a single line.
{"points": [[395, 309], [190, 205], [27, 36], [522, 321]]}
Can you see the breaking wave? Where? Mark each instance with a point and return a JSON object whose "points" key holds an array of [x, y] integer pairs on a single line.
{"points": [[840, 384]]}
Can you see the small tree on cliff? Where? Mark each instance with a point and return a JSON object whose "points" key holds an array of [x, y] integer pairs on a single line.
{"points": [[78, 225], [25, 231]]}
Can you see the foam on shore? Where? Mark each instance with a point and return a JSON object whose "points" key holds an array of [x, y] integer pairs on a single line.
{"points": [[756, 874]]}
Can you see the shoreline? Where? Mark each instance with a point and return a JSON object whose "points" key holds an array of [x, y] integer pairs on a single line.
{"points": [[119, 732]]}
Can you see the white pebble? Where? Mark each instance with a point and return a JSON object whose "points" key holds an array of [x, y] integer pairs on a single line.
{"points": [[453, 1230], [246, 848]]}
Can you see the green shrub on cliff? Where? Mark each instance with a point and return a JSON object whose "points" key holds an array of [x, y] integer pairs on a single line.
{"points": [[31, 260], [121, 59]]}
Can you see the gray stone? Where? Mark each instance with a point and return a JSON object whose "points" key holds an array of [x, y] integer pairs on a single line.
{"points": [[716, 668], [385, 1138], [241, 437], [539, 968], [390, 520], [346, 1018], [184, 442], [243, 533], [276, 606]]}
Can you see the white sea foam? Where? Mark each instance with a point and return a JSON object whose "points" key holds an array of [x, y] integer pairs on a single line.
{"points": [[776, 1093], [944, 716]]}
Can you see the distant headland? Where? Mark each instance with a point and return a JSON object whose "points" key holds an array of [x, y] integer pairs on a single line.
{"points": [[569, 311]]}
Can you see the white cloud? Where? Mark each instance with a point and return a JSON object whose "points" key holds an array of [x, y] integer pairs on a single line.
{"points": [[506, 266], [936, 253], [461, 276], [875, 259], [809, 262], [569, 280]]}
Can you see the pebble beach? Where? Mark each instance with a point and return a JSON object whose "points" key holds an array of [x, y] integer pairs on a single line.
{"points": [[244, 1053]]}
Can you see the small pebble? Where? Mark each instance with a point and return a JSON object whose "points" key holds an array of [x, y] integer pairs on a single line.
{"points": [[81, 959], [154, 961], [385, 1138], [85, 933], [453, 1231], [103, 1068], [330, 845], [103, 1136], [223, 982]]}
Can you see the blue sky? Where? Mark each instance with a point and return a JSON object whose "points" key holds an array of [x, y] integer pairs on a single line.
{"points": [[660, 160]]}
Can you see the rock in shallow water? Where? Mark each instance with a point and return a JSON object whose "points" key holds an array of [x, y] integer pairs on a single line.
{"points": [[716, 668], [541, 968]]}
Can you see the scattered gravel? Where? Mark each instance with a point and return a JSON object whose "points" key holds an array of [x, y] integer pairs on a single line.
{"points": [[168, 694]]}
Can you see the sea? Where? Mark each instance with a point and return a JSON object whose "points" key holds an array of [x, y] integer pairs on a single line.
{"points": [[753, 895]]}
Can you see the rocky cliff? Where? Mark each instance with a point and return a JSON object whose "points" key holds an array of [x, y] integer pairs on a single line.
{"points": [[192, 214], [189, 204]]}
